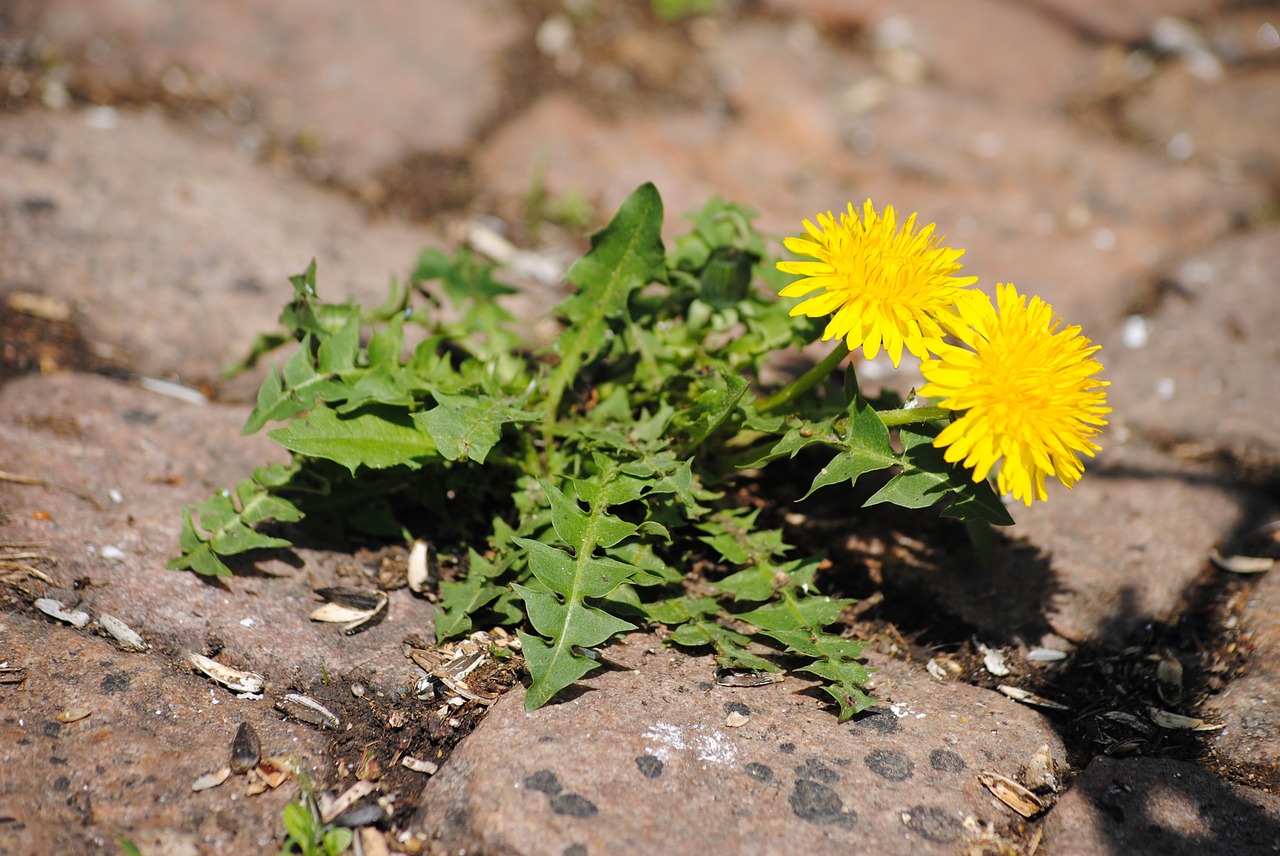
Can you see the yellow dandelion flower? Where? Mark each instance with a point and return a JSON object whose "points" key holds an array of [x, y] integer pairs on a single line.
{"points": [[1027, 392], [882, 285]]}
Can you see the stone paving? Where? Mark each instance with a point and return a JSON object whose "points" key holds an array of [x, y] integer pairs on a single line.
{"points": [[164, 168]]}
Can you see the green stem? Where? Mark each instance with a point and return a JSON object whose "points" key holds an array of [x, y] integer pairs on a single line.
{"points": [[804, 383], [912, 415]]}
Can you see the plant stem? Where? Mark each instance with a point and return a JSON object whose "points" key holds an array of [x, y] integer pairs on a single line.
{"points": [[804, 383], [912, 415]]}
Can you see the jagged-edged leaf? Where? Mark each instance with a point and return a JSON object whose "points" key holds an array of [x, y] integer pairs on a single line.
{"points": [[467, 427], [461, 599], [754, 583], [376, 437], [582, 530], [709, 409], [866, 449], [693, 622], [625, 255], [575, 577], [339, 350], [796, 614], [571, 625]]}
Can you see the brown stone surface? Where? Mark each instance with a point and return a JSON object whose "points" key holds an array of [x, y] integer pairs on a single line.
{"points": [[357, 87], [1246, 707], [155, 725], [1152, 806], [176, 251], [229, 146], [1193, 379], [642, 758]]}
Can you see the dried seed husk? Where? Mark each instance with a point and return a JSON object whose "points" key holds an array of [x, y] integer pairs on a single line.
{"points": [[246, 749], [1039, 770], [211, 780], [736, 719], [356, 609], [233, 679], [1046, 655], [356, 598], [1012, 794], [127, 639], [993, 660], [1128, 720], [1242, 564], [419, 569], [419, 765], [73, 714], [1178, 722], [364, 814], [306, 709], [77, 618], [270, 773], [1169, 680], [1020, 695], [332, 807], [746, 677], [1128, 746]]}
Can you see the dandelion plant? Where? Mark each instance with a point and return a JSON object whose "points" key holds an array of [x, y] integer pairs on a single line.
{"points": [[585, 483]]}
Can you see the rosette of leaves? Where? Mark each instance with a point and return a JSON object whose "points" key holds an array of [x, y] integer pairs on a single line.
{"points": [[580, 476]]}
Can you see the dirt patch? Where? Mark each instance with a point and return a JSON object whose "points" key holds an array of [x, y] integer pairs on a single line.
{"points": [[41, 335]]}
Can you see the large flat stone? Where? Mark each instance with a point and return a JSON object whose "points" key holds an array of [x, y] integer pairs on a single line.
{"points": [[1201, 369], [360, 88], [1250, 738], [175, 250], [1155, 806], [1085, 222], [117, 463], [642, 758]]}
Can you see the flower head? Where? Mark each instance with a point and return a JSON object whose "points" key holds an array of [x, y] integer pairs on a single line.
{"points": [[1027, 391], [881, 285]]}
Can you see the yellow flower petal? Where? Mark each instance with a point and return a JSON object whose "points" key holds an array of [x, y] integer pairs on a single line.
{"points": [[1028, 394], [883, 285]]}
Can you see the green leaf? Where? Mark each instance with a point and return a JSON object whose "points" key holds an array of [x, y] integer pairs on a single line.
{"points": [[573, 625], [460, 599], [625, 255], [338, 351], [377, 438], [866, 449], [336, 841], [791, 614], [718, 399], [583, 531], [468, 427], [299, 824]]}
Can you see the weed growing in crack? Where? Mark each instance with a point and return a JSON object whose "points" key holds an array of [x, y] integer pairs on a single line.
{"points": [[587, 480]]}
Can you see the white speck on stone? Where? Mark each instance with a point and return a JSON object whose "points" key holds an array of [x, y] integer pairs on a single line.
{"points": [[1137, 332], [709, 745], [1103, 239], [1166, 387], [112, 552], [1180, 146], [246, 622], [988, 144], [1268, 37], [115, 496], [900, 709], [921, 715], [102, 118]]}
